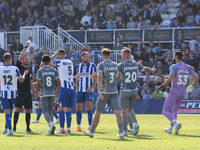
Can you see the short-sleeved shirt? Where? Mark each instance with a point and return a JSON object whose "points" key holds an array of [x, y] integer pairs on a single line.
{"points": [[74, 57], [8, 77], [109, 70], [47, 75], [26, 84], [129, 76], [181, 73]]}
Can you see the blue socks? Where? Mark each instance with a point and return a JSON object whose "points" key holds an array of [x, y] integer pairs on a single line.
{"points": [[55, 114], [68, 118], [78, 117], [89, 117], [8, 121], [62, 119], [39, 113], [6, 126]]}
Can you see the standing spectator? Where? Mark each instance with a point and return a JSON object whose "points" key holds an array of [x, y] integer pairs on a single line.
{"points": [[77, 4], [91, 54], [32, 44], [160, 55], [30, 54], [156, 18], [69, 9], [157, 94], [146, 13], [160, 66], [101, 14], [169, 63], [5, 9], [110, 14], [197, 18], [146, 91], [75, 58], [24, 91], [118, 7], [53, 8], [87, 18], [168, 55], [118, 44], [61, 16], [17, 46], [183, 9], [131, 23], [67, 51], [162, 7], [166, 93]]}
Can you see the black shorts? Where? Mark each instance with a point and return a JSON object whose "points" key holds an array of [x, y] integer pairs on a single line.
{"points": [[24, 99]]}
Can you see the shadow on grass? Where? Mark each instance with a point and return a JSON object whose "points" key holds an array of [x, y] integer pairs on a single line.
{"points": [[14, 135], [143, 137], [187, 135], [116, 139]]}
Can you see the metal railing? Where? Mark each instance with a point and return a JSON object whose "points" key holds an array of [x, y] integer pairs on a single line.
{"points": [[41, 35], [70, 39]]}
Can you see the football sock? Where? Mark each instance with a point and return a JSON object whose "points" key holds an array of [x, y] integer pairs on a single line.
{"points": [[69, 119], [62, 119], [6, 127], [131, 114], [125, 122], [28, 118], [89, 117], [78, 117], [120, 126], [8, 121], [16, 117], [175, 122], [130, 122], [175, 113], [55, 114], [92, 129], [39, 113]]}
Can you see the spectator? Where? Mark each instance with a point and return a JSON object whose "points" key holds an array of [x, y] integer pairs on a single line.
{"points": [[86, 18], [30, 17], [157, 94], [192, 61], [67, 51], [5, 9], [61, 16], [185, 58], [101, 14], [3, 20], [110, 24], [110, 14], [46, 11], [149, 54], [161, 67], [168, 55], [36, 7], [75, 58], [77, 4], [140, 23], [96, 23], [128, 2], [120, 21], [195, 94], [30, 54], [159, 78], [191, 16], [69, 9], [118, 7], [19, 24], [176, 23], [154, 48], [139, 56], [166, 93], [2, 52], [182, 17], [178, 42], [160, 55], [91, 54], [196, 49], [149, 81], [197, 8], [63, 43], [123, 25], [136, 18], [32, 44], [198, 40], [53, 8], [133, 11], [17, 46], [152, 7], [131, 23], [53, 23], [162, 7], [151, 62], [99, 55], [146, 91], [148, 24], [183, 9], [37, 57], [33, 68], [146, 13], [77, 24], [169, 63], [118, 44], [183, 46], [37, 23], [140, 47], [125, 8], [156, 18], [20, 13], [99, 6], [197, 18], [46, 21]]}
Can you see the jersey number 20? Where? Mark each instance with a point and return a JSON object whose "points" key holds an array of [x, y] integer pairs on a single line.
{"points": [[130, 77]]}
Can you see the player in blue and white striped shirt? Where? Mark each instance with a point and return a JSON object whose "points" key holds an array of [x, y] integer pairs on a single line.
{"points": [[9, 76], [66, 94], [84, 87]]}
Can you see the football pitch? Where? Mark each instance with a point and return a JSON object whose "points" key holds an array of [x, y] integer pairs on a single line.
{"points": [[151, 135]]}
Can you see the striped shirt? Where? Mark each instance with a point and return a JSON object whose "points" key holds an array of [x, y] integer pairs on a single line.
{"points": [[66, 71], [8, 77], [84, 72]]}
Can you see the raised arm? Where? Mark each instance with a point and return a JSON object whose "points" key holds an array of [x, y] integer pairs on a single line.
{"points": [[21, 56]]}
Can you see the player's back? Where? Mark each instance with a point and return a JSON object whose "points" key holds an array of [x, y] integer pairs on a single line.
{"points": [[109, 70], [47, 75], [66, 71], [8, 77], [181, 73], [129, 77]]}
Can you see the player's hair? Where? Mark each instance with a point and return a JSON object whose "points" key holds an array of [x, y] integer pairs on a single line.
{"points": [[7, 57], [62, 52], [179, 54], [46, 58], [126, 50], [106, 52], [83, 53]]}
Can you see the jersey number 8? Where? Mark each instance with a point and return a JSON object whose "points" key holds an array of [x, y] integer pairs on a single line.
{"points": [[48, 81]]}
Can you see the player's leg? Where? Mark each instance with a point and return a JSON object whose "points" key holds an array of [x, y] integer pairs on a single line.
{"points": [[51, 104], [130, 123], [56, 116], [88, 107], [28, 107], [39, 113], [80, 99]]}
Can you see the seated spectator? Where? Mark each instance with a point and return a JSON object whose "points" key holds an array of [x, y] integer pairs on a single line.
{"points": [[53, 8], [67, 51], [125, 8], [134, 10], [198, 40], [118, 44], [99, 55], [2, 52], [148, 24], [109, 14], [77, 4], [20, 24], [160, 55], [197, 18], [181, 17], [146, 15], [139, 46], [9, 50], [30, 54], [149, 54], [168, 55], [151, 62], [87, 18], [37, 23], [160, 66], [140, 23], [32, 44], [136, 18], [96, 23], [146, 91], [195, 94], [115, 25], [156, 18], [178, 42], [127, 15], [183, 46], [101, 14], [99, 6], [183, 9], [110, 24], [69, 9], [33, 68], [139, 56], [118, 7], [149, 81], [156, 26], [159, 78], [128, 2], [166, 93], [53, 23], [77, 25], [123, 25], [187, 51], [169, 63], [191, 16], [176, 23], [4, 19], [196, 49], [75, 58], [162, 7], [46, 21], [192, 61], [30, 17], [157, 94], [17, 46], [185, 58], [131, 23], [5, 9], [197, 7], [154, 48], [61, 16], [91, 54], [46, 11], [37, 57]]}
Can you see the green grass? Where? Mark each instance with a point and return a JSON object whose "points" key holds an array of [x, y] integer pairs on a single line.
{"points": [[151, 135]]}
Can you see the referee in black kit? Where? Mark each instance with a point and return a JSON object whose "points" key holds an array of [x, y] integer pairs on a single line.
{"points": [[24, 90]]}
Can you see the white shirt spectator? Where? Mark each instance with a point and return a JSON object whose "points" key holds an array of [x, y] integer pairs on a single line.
{"points": [[165, 94], [35, 47], [86, 18]]}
